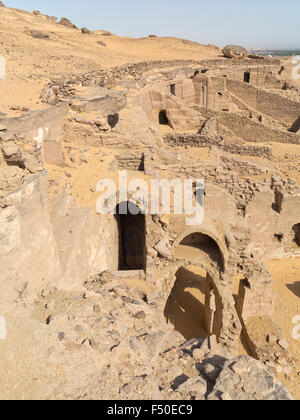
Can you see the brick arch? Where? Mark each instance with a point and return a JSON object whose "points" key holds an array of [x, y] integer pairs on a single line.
{"points": [[223, 252]]}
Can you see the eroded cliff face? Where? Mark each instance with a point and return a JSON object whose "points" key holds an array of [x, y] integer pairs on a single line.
{"points": [[86, 241], [28, 247], [53, 243]]}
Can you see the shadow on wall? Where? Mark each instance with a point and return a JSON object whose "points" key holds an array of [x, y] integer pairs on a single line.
{"points": [[194, 307], [185, 308], [296, 230], [295, 127], [247, 77], [295, 288], [131, 232], [192, 246], [163, 119], [113, 120]]}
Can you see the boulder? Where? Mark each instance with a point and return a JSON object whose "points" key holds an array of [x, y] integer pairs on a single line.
{"points": [[107, 101], [39, 34], [85, 31], [66, 22], [32, 165], [235, 51], [195, 387], [12, 153], [162, 247], [48, 97]]}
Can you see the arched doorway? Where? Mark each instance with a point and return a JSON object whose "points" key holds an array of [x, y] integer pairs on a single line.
{"points": [[162, 118], [131, 233], [247, 76], [197, 246], [296, 233], [194, 305]]}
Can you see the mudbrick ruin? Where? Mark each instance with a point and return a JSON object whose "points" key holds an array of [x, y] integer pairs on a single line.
{"points": [[144, 306]]}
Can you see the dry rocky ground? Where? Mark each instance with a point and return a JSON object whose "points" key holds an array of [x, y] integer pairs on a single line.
{"points": [[105, 336]]}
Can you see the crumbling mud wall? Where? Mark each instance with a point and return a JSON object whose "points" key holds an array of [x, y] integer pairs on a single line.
{"points": [[281, 109], [199, 140], [252, 131]]}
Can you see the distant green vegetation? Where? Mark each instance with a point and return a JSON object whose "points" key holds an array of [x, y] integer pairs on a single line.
{"points": [[285, 52], [278, 53]]}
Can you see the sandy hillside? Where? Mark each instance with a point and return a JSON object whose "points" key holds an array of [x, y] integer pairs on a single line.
{"points": [[32, 61]]}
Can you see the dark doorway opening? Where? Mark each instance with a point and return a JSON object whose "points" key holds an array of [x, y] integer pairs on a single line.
{"points": [[296, 230], [295, 127], [173, 89], [247, 77], [113, 120], [132, 246], [163, 119]]}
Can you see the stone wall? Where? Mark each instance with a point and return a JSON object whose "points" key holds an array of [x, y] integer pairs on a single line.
{"points": [[280, 108], [131, 161], [261, 75], [63, 87], [197, 140], [252, 131]]}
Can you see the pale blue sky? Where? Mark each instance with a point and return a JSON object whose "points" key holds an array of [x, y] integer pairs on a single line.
{"points": [[256, 23]]}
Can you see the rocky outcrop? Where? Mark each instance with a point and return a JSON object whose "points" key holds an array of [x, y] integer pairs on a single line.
{"points": [[27, 244], [66, 22], [16, 164], [85, 31], [235, 51], [79, 234], [39, 131], [106, 101], [32, 123], [39, 34]]}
